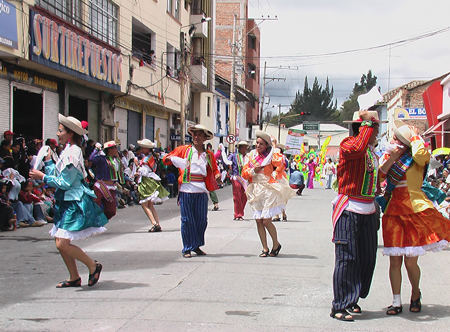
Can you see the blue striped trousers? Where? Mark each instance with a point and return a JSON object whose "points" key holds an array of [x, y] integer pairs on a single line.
{"points": [[355, 239], [194, 219]]}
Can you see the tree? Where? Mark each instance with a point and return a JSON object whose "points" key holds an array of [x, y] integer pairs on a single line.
{"points": [[316, 100], [351, 105]]}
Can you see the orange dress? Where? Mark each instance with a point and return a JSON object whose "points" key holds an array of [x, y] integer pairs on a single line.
{"points": [[265, 194], [411, 224]]}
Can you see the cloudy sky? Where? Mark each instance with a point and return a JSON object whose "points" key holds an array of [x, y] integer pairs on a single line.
{"points": [[399, 40]]}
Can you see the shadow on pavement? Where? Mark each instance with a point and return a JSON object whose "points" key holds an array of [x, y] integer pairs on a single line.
{"points": [[111, 285]]}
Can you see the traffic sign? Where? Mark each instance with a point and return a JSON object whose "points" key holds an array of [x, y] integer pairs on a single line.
{"points": [[231, 139], [311, 126]]}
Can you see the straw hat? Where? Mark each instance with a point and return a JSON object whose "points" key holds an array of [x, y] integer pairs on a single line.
{"points": [[242, 142], [146, 143], [73, 124], [199, 127], [265, 136], [280, 146], [403, 132], [109, 144]]}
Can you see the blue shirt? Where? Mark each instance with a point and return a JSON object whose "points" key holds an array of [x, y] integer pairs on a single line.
{"points": [[297, 178]]}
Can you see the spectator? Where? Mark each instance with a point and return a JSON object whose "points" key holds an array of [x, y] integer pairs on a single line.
{"points": [[53, 144], [31, 203], [297, 181], [9, 135], [7, 220]]}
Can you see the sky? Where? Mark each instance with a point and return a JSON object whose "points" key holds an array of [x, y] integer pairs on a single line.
{"points": [[399, 40]]}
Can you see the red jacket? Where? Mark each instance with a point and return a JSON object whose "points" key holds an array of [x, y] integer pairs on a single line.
{"points": [[211, 168], [27, 198], [354, 170]]}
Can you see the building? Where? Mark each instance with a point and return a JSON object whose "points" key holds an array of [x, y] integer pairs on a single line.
{"points": [[114, 64], [247, 67]]}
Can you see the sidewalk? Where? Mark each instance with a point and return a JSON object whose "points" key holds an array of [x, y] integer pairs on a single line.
{"points": [[146, 285]]}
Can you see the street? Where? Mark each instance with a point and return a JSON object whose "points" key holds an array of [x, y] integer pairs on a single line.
{"points": [[146, 284]]}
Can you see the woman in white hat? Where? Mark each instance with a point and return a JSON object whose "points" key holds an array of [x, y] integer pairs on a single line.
{"points": [[150, 189], [411, 224], [266, 196], [77, 216]]}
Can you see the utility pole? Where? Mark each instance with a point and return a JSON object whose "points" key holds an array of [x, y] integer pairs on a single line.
{"points": [[232, 86], [182, 88]]}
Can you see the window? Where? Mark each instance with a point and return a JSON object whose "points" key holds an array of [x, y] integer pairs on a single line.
{"points": [[252, 42], [103, 15], [174, 7], [173, 57], [143, 42], [68, 10], [208, 106], [251, 70]]}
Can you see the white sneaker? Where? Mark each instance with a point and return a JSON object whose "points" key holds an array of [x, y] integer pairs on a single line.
{"points": [[37, 223]]}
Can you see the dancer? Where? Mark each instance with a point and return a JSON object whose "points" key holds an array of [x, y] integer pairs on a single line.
{"points": [[198, 175], [150, 189], [354, 216], [282, 178], [109, 171], [311, 171], [266, 196], [77, 216], [238, 183], [411, 224]]}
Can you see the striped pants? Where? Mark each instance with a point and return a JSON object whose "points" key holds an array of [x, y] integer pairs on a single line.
{"points": [[194, 219], [355, 239]]}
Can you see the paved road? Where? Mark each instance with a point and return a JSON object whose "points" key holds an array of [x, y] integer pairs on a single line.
{"points": [[147, 286]]}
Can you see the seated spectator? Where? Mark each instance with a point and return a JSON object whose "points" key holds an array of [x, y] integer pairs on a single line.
{"points": [[132, 189], [297, 181], [32, 203], [49, 201], [24, 217], [7, 219]]}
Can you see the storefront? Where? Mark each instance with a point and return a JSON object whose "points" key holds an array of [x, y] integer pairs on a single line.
{"points": [[128, 119], [30, 102], [156, 126]]}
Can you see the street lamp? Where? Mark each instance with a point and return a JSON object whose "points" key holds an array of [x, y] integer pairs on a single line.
{"points": [[183, 75]]}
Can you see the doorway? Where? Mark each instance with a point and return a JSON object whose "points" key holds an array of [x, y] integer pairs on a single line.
{"points": [[27, 114], [78, 108]]}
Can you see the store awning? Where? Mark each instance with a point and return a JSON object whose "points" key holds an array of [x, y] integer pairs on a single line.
{"points": [[432, 129]]}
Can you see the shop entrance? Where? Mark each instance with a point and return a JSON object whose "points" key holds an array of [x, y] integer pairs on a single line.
{"points": [[78, 108], [27, 114]]}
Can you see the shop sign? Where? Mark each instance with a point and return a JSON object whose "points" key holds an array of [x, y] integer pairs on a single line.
{"points": [[410, 113], [187, 138], [27, 76], [128, 105], [66, 49], [156, 113], [8, 24]]}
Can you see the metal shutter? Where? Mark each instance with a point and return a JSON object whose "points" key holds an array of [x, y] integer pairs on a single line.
{"points": [[5, 95], [149, 127], [93, 120], [134, 127], [51, 111], [121, 116]]}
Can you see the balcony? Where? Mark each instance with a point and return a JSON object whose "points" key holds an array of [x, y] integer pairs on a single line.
{"points": [[202, 27], [199, 77]]}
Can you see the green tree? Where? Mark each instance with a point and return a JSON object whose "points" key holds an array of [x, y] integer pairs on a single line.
{"points": [[316, 100], [351, 105]]}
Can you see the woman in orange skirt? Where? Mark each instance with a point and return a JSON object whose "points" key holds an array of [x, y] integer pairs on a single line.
{"points": [[411, 224]]}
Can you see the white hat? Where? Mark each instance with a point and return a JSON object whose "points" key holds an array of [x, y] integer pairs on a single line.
{"points": [[146, 143], [280, 146], [373, 114], [242, 142], [403, 132], [73, 124], [265, 136], [109, 144], [131, 147], [208, 133]]}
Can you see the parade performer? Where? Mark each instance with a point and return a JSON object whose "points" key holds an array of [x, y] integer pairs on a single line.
{"points": [[311, 171], [411, 223], [198, 175], [76, 214], [238, 183], [282, 178], [354, 216], [109, 171], [150, 189], [266, 196]]}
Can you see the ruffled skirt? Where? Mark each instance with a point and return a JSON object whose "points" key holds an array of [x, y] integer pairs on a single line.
{"points": [[77, 220], [152, 190], [413, 234], [267, 199]]}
